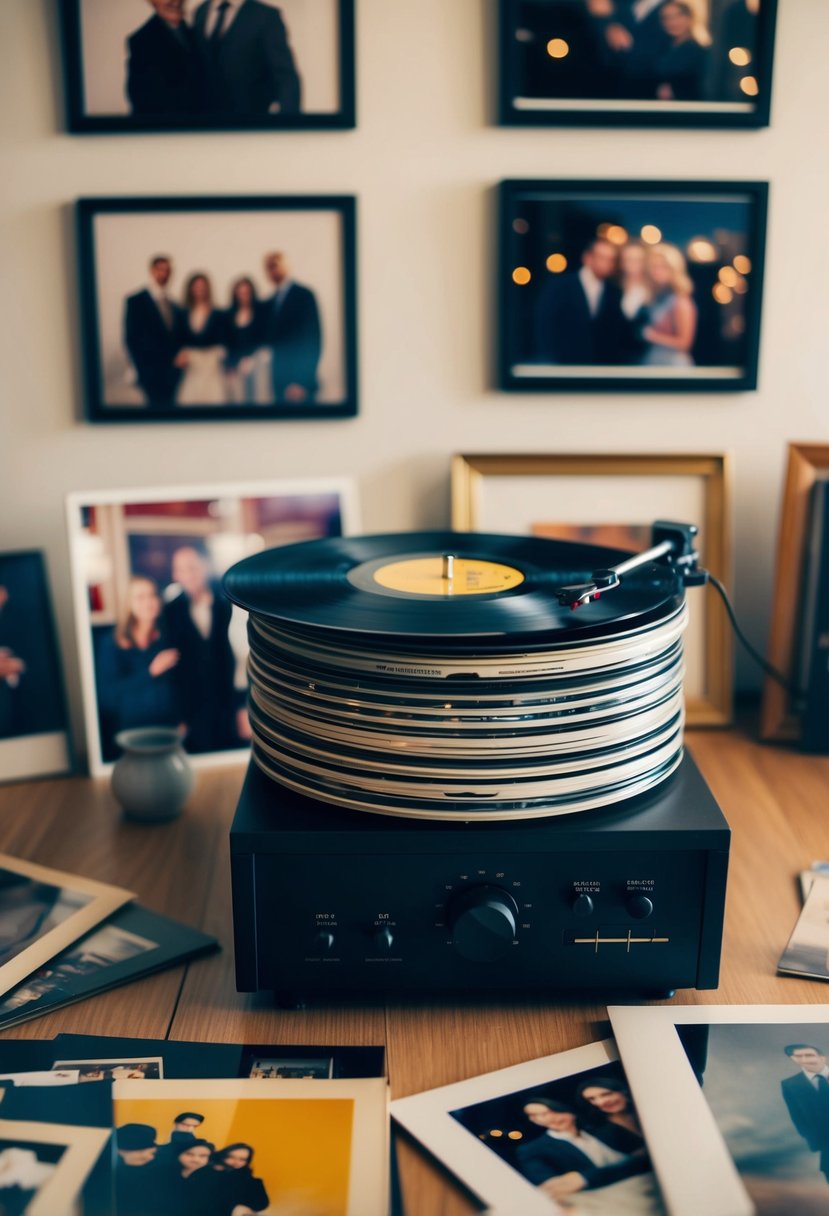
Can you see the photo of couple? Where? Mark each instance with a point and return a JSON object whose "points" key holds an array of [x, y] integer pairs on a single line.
{"points": [[577, 1139], [605, 286], [201, 309], [208, 64]]}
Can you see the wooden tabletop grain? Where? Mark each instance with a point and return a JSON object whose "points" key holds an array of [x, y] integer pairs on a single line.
{"points": [[775, 798]]}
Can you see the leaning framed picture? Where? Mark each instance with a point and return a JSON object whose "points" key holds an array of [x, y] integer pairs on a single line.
{"points": [[257, 65], [34, 736], [159, 642], [630, 285], [800, 559], [678, 63], [197, 309], [613, 500], [740, 1083]]}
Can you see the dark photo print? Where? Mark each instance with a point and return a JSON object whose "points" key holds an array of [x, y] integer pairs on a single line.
{"points": [[636, 62], [629, 285]]}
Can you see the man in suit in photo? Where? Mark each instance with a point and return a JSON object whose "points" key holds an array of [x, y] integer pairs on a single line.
{"points": [[578, 316], [248, 63], [164, 67], [292, 330], [633, 41], [807, 1097], [152, 333]]}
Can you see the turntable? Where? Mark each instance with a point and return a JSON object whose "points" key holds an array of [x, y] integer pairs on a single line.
{"points": [[468, 771]]}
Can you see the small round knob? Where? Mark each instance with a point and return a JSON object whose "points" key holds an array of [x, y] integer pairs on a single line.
{"points": [[582, 905], [383, 940], [483, 921], [639, 906], [324, 941]]}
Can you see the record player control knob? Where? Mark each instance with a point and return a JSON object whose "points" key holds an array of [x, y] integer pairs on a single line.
{"points": [[582, 905], [639, 906], [482, 921]]}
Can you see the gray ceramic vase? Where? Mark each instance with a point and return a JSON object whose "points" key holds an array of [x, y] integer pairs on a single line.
{"points": [[153, 778]]}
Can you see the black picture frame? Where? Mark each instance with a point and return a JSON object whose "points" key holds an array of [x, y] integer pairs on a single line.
{"points": [[317, 52], [223, 239], [34, 713], [557, 66], [547, 340]]}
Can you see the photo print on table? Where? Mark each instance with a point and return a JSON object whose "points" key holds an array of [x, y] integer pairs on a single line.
{"points": [[44, 1166], [42, 911], [160, 643], [235, 308], [747, 1086], [179, 66], [143, 1069], [630, 285], [557, 1134]]}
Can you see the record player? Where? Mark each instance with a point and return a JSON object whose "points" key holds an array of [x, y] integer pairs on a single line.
{"points": [[468, 771]]}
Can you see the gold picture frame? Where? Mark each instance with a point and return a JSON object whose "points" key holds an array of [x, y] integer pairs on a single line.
{"points": [[806, 463], [502, 493]]}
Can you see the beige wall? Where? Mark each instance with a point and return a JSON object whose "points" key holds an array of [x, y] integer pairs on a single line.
{"points": [[422, 162]]}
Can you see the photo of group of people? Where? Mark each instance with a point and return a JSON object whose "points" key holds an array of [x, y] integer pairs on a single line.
{"points": [[646, 60], [33, 720], [162, 644], [204, 64], [611, 287], [232, 309]]}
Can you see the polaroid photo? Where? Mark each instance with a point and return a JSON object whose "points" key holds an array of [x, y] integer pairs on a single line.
{"points": [[292, 1067], [55, 1076], [146, 1068], [807, 952], [42, 911], [44, 1166], [328, 1142], [807, 877], [556, 1134], [737, 1088]]}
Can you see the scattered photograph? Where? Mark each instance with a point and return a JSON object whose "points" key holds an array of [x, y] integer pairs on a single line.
{"points": [[43, 1166], [55, 1076], [807, 952], [748, 1087], [807, 877], [251, 1145], [630, 285], [198, 65], [557, 1134], [201, 309], [160, 643], [292, 1067], [134, 943], [148, 1069], [691, 63], [34, 738], [44, 910]]}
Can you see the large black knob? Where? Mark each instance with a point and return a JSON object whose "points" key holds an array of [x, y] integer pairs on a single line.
{"points": [[482, 921]]}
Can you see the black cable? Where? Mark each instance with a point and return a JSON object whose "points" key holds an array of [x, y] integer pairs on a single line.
{"points": [[767, 667]]}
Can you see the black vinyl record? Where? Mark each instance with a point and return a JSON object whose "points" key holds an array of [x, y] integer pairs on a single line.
{"points": [[464, 587]]}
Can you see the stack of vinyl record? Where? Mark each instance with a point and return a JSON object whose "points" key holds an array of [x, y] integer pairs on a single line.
{"points": [[437, 675]]}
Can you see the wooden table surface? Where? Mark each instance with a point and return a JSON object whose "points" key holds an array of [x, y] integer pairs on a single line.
{"points": [[776, 800]]}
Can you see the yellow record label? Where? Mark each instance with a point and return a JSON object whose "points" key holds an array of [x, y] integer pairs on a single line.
{"points": [[447, 575]]}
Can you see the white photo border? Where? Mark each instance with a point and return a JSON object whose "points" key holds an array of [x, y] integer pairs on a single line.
{"points": [[84, 1145]]}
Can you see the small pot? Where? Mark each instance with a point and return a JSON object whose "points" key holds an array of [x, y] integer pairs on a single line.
{"points": [[153, 778]]}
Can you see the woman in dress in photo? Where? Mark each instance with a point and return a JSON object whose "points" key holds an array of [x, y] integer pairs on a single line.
{"points": [[597, 1168], [135, 663], [681, 71], [244, 334], [202, 346], [672, 316], [181, 1186], [636, 290], [234, 1183]]}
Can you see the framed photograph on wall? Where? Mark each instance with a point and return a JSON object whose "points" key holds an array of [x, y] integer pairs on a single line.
{"points": [[678, 63], [795, 630], [34, 737], [625, 285], [184, 65], [159, 642], [613, 500], [197, 309]]}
